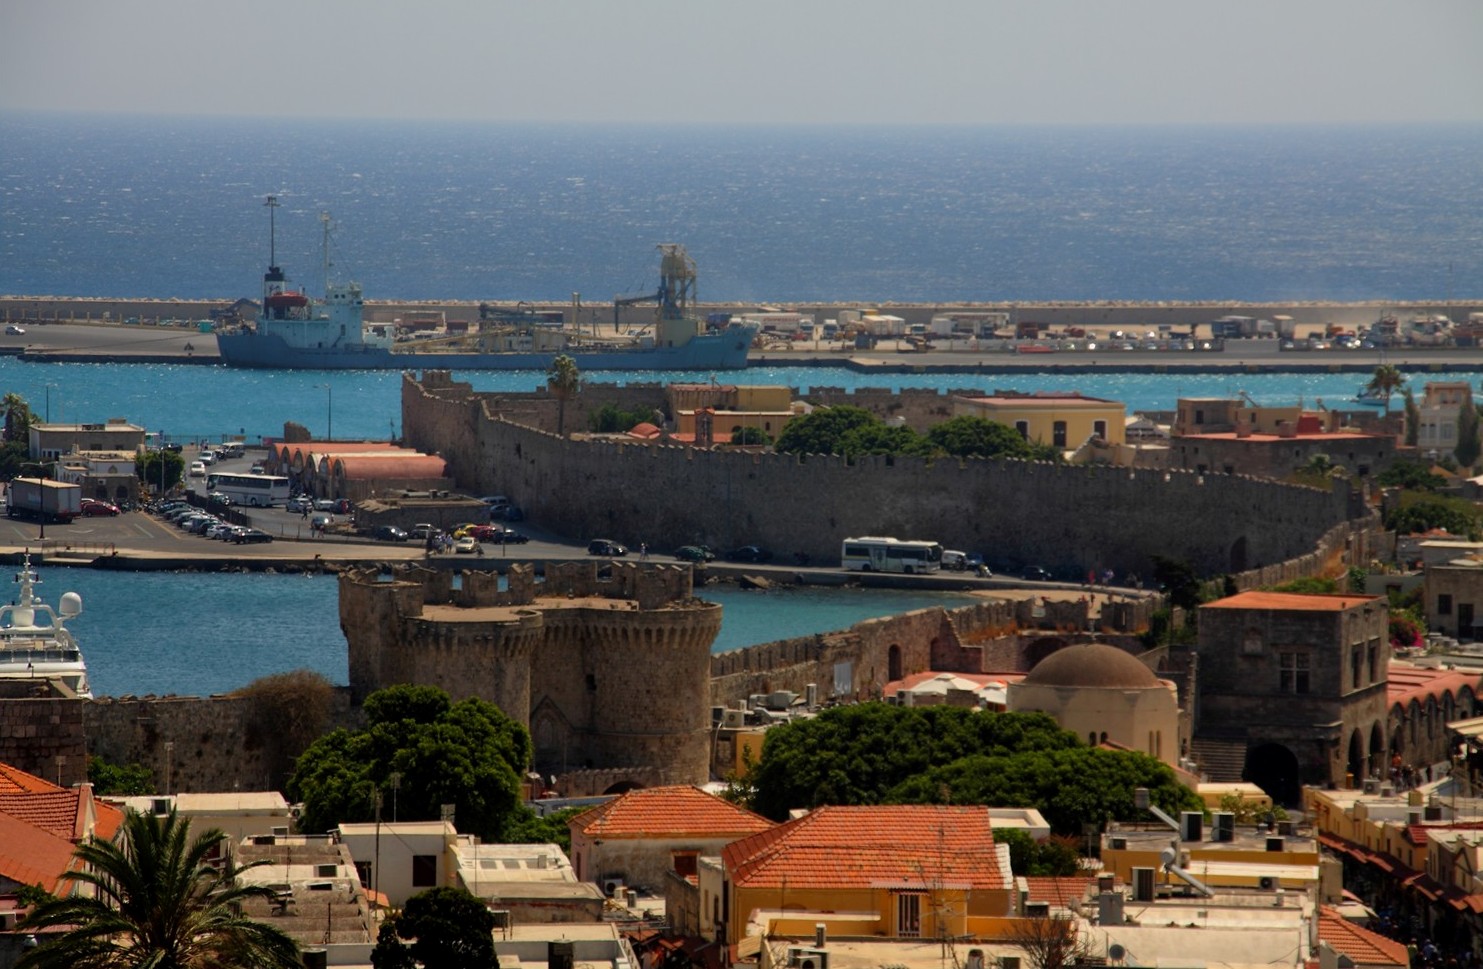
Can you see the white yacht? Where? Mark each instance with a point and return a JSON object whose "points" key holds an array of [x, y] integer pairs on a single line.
{"points": [[34, 644]]}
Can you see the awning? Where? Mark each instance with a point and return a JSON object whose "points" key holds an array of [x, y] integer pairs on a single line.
{"points": [[1471, 728]]}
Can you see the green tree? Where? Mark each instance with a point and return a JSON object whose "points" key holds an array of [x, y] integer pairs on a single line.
{"points": [[1420, 511], [18, 419], [751, 436], [128, 780], [551, 829], [441, 928], [149, 467], [155, 900], [1413, 418], [1386, 380], [468, 754], [1053, 856], [967, 436], [565, 382], [822, 431], [1468, 446], [1409, 474], [880, 438], [858, 753], [1179, 580], [612, 419]]}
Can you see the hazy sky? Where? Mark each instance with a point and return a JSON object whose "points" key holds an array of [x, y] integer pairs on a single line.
{"points": [[844, 61]]}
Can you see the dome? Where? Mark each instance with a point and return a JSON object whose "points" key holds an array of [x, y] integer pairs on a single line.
{"points": [[1092, 665]]}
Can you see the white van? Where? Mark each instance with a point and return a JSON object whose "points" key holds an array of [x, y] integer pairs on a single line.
{"points": [[954, 559]]}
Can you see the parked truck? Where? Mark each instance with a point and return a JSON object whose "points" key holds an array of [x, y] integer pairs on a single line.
{"points": [[41, 499]]}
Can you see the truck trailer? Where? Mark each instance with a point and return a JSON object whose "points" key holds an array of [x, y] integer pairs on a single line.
{"points": [[41, 499]]}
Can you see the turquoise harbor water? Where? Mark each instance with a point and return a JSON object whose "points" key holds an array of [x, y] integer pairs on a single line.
{"points": [[189, 402], [192, 633]]}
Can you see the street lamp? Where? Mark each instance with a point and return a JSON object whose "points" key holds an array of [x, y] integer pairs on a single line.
{"points": [[329, 408]]}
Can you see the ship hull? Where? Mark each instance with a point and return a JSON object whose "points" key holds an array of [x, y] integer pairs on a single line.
{"points": [[711, 351]]}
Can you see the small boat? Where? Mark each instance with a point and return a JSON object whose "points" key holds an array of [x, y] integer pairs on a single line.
{"points": [[35, 646], [1371, 397]]}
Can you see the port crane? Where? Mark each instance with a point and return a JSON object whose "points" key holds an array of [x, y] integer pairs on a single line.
{"points": [[676, 292]]}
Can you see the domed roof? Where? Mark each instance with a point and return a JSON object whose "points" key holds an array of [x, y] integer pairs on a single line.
{"points": [[1092, 665]]}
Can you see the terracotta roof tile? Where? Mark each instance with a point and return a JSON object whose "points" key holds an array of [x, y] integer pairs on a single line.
{"points": [[1059, 891], [13, 780], [53, 811], [1358, 943], [33, 856], [841, 847], [680, 811], [1407, 683], [1290, 602]]}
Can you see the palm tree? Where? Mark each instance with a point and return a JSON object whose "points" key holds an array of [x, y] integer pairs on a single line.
{"points": [[154, 901], [1387, 380], [563, 380], [18, 417]]}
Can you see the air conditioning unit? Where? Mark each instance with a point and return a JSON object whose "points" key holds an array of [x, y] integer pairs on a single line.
{"points": [[1143, 884], [1191, 826], [1224, 823], [1372, 785], [612, 886], [735, 719], [801, 957]]}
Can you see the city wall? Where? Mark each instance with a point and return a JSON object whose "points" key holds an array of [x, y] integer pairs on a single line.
{"points": [[1066, 518]]}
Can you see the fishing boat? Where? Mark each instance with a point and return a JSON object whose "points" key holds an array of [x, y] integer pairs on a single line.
{"points": [[294, 331], [1371, 397], [35, 645]]}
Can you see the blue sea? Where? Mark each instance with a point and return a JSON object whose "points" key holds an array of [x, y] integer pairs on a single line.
{"points": [[151, 207]]}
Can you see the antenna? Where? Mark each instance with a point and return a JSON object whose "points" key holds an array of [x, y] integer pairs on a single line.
{"points": [[324, 218], [272, 206]]}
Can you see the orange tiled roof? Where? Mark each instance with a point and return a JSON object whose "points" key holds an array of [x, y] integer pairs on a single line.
{"points": [[670, 812], [1058, 891], [33, 856], [13, 780], [857, 847], [1407, 683], [1359, 943], [1290, 602]]}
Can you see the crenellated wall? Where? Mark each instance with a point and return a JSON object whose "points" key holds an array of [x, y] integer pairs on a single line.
{"points": [[1066, 518], [608, 668]]}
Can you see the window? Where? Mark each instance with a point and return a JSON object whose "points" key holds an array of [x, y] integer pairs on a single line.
{"points": [[1058, 434], [908, 916], [424, 871], [1024, 428], [1099, 428], [1374, 657], [1444, 605], [1294, 672]]}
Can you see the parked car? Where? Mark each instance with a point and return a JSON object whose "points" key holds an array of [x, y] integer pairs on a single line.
{"points": [[694, 553], [13, 330], [1036, 574], [423, 531], [508, 536], [495, 501], [92, 506], [325, 504], [389, 533], [955, 560], [198, 469], [251, 536], [513, 514], [219, 498], [605, 546], [299, 504], [750, 553], [466, 545]]}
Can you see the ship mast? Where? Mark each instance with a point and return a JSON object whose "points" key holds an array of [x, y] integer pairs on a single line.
{"points": [[324, 218], [273, 278]]}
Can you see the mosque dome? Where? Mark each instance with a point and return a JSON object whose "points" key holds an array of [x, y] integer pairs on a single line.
{"points": [[1094, 665]]}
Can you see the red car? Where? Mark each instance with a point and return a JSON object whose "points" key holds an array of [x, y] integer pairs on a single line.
{"points": [[92, 506]]}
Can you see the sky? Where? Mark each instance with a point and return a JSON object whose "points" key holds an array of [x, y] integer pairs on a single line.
{"points": [[759, 62]]}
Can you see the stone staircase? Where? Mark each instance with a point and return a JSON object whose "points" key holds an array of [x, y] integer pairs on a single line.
{"points": [[1221, 755]]}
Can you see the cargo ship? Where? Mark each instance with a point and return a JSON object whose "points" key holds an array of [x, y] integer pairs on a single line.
{"points": [[294, 331]]}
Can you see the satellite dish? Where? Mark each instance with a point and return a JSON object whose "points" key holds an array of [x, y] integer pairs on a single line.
{"points": [[1168, 856], [1116, 952]]}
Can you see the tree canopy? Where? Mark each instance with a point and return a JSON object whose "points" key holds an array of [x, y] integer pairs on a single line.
{"points": [[468, 754], [441, 928], [564, 381], [1420, 511], [873, 753], [851, 431], [153, 898]]}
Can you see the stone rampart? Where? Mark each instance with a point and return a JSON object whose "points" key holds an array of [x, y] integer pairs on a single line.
{"points": [[45, 736], [1067, 518]]}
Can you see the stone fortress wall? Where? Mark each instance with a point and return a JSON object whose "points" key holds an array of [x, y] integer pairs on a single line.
{"points": [[601, 685], [1066, 518]]}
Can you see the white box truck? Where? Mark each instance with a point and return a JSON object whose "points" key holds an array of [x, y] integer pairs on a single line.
{"points": [[41, 499]]}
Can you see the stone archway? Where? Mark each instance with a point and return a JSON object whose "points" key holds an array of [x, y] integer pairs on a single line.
{"points": [[1274, 768], [623, 787], [1379, 763], [1355, 765]]}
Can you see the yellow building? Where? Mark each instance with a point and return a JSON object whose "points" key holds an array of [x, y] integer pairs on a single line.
{"points": [[899, 871], [1061, 420]]}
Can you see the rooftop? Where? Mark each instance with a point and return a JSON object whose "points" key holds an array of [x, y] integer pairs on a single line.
{"points": [[668, 812], [1358, 943], [1291, 602]]}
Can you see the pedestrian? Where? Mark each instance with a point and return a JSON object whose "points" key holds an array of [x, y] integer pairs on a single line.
{"points": [[643, 550]]}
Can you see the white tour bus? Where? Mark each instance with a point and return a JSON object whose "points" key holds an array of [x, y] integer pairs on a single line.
{"points": [[890, 555], [260, 490]]}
